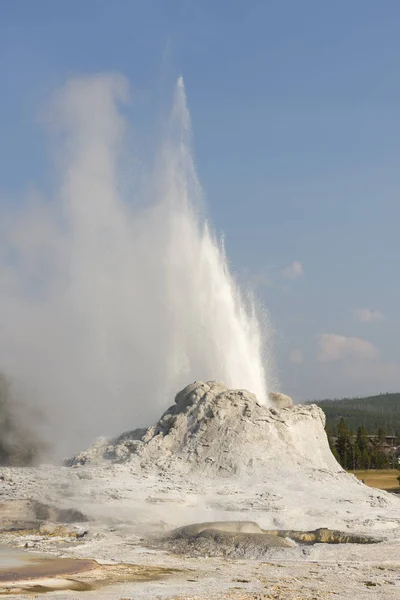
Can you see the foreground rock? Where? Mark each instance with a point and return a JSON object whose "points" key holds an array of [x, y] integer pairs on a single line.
{"points": [[230, 539], [227, 544], [324, 535], [25, 517], [246, 539], [225, 526]]}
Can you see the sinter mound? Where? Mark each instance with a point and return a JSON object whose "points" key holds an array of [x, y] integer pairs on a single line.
{"points": [[211, 430]]}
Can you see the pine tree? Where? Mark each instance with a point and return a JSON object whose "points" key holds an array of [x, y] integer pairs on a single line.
{"points": [[357, 456], [362, 438], [381, 437], [343, 444], [379, 459], [365, 459], [362, 442]]}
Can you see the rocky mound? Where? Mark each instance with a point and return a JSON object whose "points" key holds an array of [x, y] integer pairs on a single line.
{"points": [[227, 544], [245, 539], [213, 430]]}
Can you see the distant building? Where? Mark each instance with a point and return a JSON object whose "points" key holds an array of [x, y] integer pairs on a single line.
{"points": [[390, 440]]}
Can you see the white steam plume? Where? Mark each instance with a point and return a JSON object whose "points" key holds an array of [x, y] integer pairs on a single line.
{"points": [[108, 304]]}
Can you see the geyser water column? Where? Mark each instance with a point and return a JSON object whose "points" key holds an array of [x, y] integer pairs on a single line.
{"points": [[111, 303], [212, 329]]}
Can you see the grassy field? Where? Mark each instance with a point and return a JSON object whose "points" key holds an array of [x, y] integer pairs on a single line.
{"points": [[383, 480]]}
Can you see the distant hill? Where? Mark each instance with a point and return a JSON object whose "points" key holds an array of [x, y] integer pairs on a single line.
{"points": [[373, 412]]}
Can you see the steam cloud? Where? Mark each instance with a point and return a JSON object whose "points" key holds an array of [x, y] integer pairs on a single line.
{"points": [[110, 303]]}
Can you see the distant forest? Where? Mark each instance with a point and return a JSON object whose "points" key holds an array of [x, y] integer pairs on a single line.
{"points": [[374, 413]]}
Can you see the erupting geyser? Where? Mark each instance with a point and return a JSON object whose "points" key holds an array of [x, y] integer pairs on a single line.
{"points": [[110, 300]]}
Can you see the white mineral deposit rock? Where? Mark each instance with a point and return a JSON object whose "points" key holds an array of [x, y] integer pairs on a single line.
{"points": [[212, 430], [280, 400]]}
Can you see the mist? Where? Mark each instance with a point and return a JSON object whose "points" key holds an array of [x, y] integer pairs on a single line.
{"points": [[112, 298]]}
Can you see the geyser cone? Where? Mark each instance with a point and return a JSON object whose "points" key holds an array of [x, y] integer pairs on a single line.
{"points": [[218, 432], [112, 302]]}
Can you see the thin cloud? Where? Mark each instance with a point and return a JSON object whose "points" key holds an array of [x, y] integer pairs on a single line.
{"points": [[293, 271], [332, 348], [296, 356], [366, 315], [260, 280]]}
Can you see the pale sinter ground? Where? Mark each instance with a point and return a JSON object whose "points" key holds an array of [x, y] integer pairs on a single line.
{"points": [[219, 455]]}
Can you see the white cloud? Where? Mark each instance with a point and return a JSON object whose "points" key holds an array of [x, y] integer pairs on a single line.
{"points": [[293, 271], [334, 347], [366, 315], [296, 356]]}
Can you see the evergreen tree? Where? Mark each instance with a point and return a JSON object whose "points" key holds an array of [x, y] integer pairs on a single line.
{"points": [[362, 442], [362, 438], [381, 436], [365, 459], [357, 456], [343, 446], [379, 458]]}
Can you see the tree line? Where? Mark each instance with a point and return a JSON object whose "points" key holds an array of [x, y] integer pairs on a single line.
{"points": [[374, 412], [358, 450]]}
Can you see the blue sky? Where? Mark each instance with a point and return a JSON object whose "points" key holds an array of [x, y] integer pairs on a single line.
{"points": [[295, 109]]}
